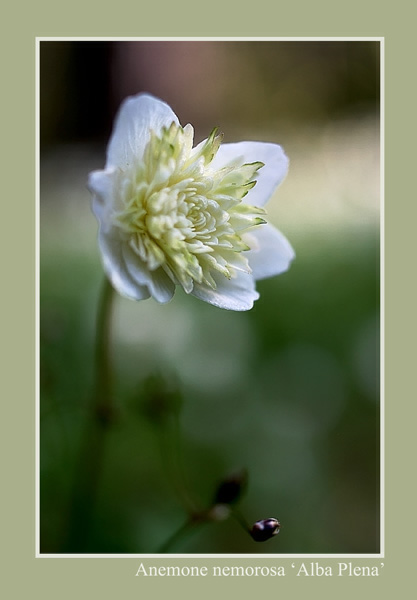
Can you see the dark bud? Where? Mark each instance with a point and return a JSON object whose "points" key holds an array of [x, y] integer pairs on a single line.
{"points": [[265, 529], [231, 489]]}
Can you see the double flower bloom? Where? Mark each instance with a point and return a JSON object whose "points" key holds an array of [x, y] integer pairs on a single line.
{"points": [[171, 214]]}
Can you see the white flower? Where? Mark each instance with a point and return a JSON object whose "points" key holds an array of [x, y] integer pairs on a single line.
{"points": [[171, 214]]}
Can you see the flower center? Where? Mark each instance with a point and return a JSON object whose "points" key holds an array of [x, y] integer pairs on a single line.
{"points": [[177, 213]]}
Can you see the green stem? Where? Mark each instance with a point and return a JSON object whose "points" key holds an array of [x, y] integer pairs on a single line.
{"points": [[236, 514], [178, 459], [167, 448], [103, 400], [182, 532], [93, 444]]}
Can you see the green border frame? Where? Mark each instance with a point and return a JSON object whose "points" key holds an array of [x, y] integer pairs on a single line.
{"points": [[25, 574]]}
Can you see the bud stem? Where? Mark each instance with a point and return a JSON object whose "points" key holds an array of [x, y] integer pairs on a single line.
{"points": [[240, 519], [181, 532]]}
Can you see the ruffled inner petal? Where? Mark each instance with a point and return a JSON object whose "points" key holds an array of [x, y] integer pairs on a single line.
{"points": [[159, 284]]}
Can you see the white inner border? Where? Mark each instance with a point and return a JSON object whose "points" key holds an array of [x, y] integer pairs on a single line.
{"points": [[191, 557]]}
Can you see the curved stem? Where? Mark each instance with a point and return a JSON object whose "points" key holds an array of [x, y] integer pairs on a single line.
{"points": [[103, 400], [181, 533], [240, 519], [172, 469], [93, 444], [178, 459]]}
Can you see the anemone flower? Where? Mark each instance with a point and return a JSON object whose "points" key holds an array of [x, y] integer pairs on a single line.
{"points": [[171, 214]]}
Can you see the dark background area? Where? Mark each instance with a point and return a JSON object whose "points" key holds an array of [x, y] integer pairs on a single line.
{"points": [[83, 83]]}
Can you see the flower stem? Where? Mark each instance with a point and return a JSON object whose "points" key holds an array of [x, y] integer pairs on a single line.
{"points": [[190, 501], [100, 418], [182, 532], [102, 398]]}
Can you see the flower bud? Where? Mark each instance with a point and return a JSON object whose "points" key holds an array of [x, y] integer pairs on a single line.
{"points": [[231, 489], [265, 529]]}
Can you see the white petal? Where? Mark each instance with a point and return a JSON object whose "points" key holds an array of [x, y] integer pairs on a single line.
{"points": [[103, 185], [232, 294], [269, 176], [137, 116], [159, 284], [115, 266], [271, 252]]}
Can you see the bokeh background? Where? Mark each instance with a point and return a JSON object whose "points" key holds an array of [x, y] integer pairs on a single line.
{"points": [[288, 391]]}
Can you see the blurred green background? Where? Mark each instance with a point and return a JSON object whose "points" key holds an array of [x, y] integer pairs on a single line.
{"points": [[288, 391]]}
